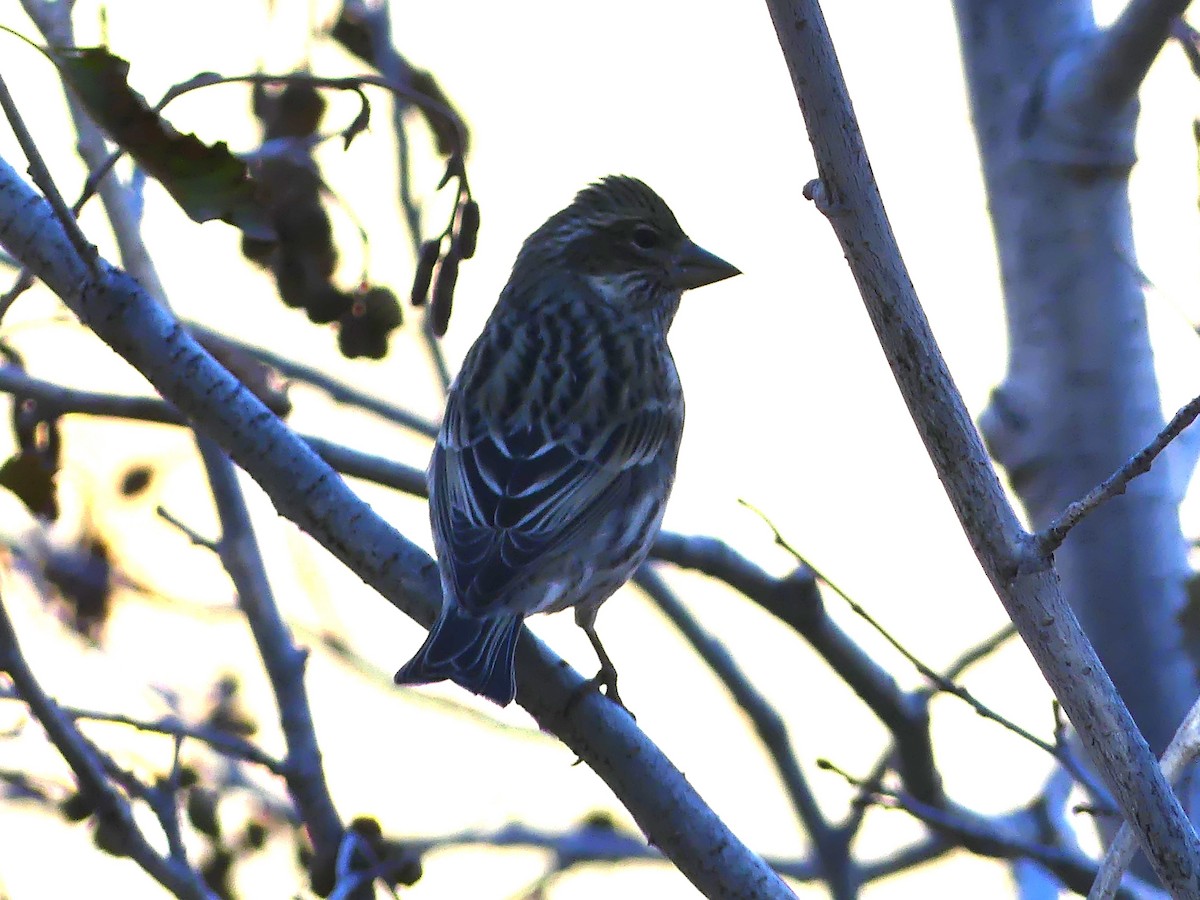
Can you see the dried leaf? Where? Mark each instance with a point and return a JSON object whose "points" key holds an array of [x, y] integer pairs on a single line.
{"points": [[208, 182]]}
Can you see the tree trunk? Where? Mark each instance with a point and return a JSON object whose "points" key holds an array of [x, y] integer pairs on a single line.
{"points": [[1080, 396]]}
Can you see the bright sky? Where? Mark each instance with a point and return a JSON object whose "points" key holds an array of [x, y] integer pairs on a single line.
{"points": [[790, 404]]}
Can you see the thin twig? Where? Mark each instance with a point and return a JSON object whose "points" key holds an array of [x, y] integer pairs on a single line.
{"points": [[337, 390], [941, 682], [1183, 750], [1051, 537], [795, 601], [999, 838], [221, 741], [56, 400], [41, 177], [979, 652]]}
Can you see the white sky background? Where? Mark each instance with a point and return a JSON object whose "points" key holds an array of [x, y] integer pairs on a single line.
{"points": [[790, 403]]}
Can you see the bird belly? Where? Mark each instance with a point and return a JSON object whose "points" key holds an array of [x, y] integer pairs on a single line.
{"points": [[592, 574]]}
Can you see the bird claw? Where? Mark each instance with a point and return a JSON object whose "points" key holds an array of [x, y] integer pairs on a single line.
{"points": [[604, 683]]}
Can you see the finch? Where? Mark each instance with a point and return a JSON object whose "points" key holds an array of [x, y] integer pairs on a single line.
{"points": [[557, 450]]}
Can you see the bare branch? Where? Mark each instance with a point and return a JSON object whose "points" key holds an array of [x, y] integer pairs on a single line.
{"points": [[1003, 837], [1097, 80], [58, 400], [838, 870], [337, 390], [112, 810], [795, 601], [1024, 580], [221, 741], [283, 660], [1051, 537], [1183, 750]]}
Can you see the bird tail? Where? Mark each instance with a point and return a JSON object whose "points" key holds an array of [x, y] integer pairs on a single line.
{"points": [[474, 652]]}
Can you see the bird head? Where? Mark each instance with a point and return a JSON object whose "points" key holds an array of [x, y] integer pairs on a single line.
{"points": [[622, 239]]}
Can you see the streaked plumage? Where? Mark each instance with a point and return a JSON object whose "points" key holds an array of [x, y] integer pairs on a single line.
{"points": [[557, 449]]}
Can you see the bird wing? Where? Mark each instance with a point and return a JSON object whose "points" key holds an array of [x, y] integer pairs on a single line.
{"points": [[505, 500]]}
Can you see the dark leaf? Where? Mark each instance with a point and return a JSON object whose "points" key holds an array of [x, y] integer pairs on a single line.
{"points": [[202, 811], [364, 330], [327, 304], [208, 182], [27, 476]]}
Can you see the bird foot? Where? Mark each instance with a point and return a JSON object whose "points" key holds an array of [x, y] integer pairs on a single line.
{"points": [[605, 683]]}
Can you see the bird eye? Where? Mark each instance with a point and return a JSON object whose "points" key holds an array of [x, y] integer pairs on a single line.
{"points": [[645, 237]]}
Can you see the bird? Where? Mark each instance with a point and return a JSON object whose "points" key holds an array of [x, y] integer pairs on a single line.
{"points": [[558, 446]]}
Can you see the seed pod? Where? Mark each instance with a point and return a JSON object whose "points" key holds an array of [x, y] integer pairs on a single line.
{"points": [[443, 293], [426, 260], [468, 229]]}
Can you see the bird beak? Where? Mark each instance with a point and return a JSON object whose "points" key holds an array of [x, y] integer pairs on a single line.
{"points": [[695, 267]]}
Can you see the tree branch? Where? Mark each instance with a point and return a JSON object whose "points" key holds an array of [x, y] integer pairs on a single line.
{"points": [[113, 813], [41, 177], [838, 870], [221, 741], [1099, 79], [1025, 582], [796, 602], [1183, 750], [283, 660], [56, 400], [337, 390], [1051, 537]]}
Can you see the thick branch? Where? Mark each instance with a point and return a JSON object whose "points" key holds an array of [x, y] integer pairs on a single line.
{"points": [[1097, 81], [1026, 583], [307, 491]]}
